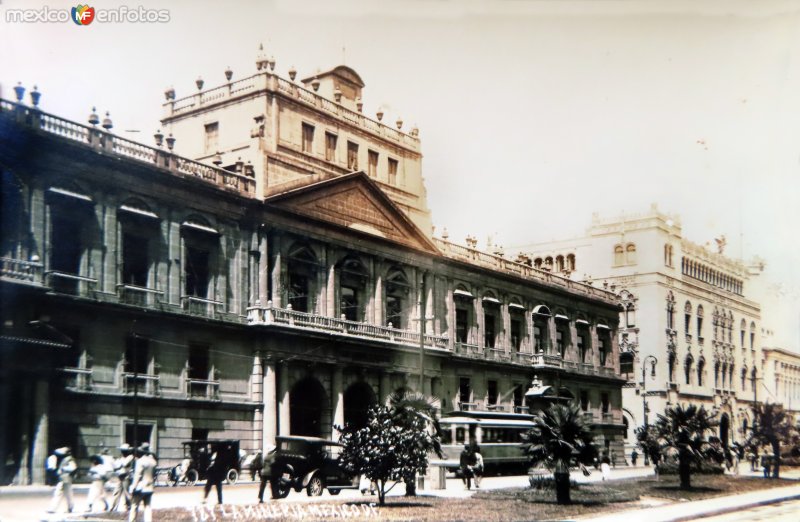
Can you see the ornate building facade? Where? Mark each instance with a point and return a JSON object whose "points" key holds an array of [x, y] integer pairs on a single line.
{"points": [[152, 297], [688, 332]]}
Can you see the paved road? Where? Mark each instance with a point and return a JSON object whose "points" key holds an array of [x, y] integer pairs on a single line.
{"points": [[783, 512]]}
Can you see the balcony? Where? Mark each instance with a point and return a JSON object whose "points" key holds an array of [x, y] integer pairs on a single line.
{"points": [[19, 271], [77, 378], [138, 295], [544, 360], [200, 306], [202, 389], [469, 350], [468, 406], [493, 406], [287, 317], [497, 354], [143, 383], [72, 284], [521, 409]]}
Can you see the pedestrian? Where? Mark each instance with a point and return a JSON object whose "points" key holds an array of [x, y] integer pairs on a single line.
{"points": [[98, 474], [51, 468], [465, 463], [753, 458], [265, 469], [67, 467], [605, 467], [613, 461], [215, 474], [766, 463], [143, 483], [123, 467], [634, 457], [477, 460]]}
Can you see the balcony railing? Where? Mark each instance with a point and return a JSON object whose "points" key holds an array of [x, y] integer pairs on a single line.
{"points": [[547, 360], [202, 389], [521, 409], [288, 317], [78, 378], [138, 295], [19, 270], [497, 354], [201, 306], [494, 406], [65, 283], [145, 384], [469, 350], [468, 406], [116, 145]]}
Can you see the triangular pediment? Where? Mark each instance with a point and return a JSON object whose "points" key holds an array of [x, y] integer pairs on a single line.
{"points": [[353, 201]]}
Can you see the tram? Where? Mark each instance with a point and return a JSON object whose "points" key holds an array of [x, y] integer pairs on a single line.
{"points": [[498, 434]]}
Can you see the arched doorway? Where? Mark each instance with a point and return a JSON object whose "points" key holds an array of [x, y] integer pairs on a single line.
{"points": [[724, 429], [358, 399], [307, 403]]}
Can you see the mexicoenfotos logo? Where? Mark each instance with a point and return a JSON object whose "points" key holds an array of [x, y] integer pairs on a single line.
{"points": [[83, 14]]}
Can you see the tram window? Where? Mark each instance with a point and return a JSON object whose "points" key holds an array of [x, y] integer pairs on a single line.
{"points": [[447, 436], [460, 435]]}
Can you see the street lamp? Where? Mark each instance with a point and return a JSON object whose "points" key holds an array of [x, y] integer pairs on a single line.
{"points": [[653, 361]]}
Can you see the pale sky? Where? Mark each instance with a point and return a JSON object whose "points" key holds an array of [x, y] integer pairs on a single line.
{"points": [[533, 114]]}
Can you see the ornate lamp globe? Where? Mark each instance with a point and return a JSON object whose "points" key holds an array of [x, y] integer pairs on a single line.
{"points": [[228, 74], [199, 82], [159, 136], [169, 94], [94, 119], [19, 90], [292, 73], [35, 96], [379, 114], [107, 125], [170, 141], [315, 84]]}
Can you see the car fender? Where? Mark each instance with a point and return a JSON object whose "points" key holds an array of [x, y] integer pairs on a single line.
{"points": [[308, 476]]}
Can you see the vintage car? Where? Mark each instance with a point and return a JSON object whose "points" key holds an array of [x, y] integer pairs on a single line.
{"points": [[309, 463], [197, 456]]}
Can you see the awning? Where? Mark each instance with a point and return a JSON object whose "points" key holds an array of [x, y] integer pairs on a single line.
{"points": [[462, 293], [138, 211], [581, 321], [199, 226], [603, 326], [492, 300], [70, 194], [32, 341], [516, 305], [562, 317]]}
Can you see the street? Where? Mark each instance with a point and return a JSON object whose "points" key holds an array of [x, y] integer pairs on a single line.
{"points": [[782, 512]]}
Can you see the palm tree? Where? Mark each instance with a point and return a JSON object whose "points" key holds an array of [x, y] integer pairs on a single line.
{"points": [[406, 408], [560, 436], [683, 429], [772, 425]]}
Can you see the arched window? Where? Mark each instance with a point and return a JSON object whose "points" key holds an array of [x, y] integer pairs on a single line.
{"points": [[670, 311], [619, 255], [668, 255], [559, 264], [301, 274], [752, 336], [537, 263], [687, 317], [671, 366], [397, 291], [744, 378], [743, 332], [630, 254], [688, 368], [541, 337], [716, 374], [724, 373], [571, 262], [699, 322], [464, 313], [352, 289], [548, 263], [701, 365]]}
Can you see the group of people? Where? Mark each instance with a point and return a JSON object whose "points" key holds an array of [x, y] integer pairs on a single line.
{"points": [[134, 470], [471, 464]]}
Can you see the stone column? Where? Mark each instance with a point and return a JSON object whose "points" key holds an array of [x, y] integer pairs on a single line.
{"points": [[284, 427], [277, 272], [529, 332], [593, 345], [572, 351], [331, 283], [451, 317], [111, 253], [41, 426], [505, 336], [378, 315], [337, 400], [175, 261], [270, 410], [551, 334], [384, 387], [263, 268]]}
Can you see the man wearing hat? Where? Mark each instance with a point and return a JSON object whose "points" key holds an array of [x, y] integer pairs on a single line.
{"points": [[265, 469], [144, 473], [65, 472], [123, 467]]}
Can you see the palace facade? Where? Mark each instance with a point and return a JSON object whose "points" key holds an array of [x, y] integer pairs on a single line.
{"points": [[273, 283]]}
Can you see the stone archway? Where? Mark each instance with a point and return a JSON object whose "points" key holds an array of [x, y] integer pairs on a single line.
{"points": [[358, 399], [307, 403]]}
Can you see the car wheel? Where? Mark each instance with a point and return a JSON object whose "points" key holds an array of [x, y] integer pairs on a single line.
{"points": [[334, 491], [280, 489], [191, 477], [232, 476], [315, 487]]}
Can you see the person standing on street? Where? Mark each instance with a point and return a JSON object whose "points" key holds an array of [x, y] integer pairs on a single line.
{"points": [[98, 474], [477, 459], [267, 458], [465, 463], [123, 467], [144, 473], [67, 467], [634, 457], [215, 474], [51, 467]]}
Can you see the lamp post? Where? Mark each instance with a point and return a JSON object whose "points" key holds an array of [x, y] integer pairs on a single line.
{"points": [[645, 409]]}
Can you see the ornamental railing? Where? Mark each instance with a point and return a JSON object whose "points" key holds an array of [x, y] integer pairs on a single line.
{"points": [[99, 138], [19, 270]]}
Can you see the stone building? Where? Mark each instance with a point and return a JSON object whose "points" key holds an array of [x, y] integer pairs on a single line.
{"points": [[781, 379], [688, 331], [276, 294]]}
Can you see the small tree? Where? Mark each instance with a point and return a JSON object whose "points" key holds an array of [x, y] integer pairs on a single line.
{"points": [[560, 436], [772, 425], [386, 450], [647, 440], [408, 408], [683, 430]]}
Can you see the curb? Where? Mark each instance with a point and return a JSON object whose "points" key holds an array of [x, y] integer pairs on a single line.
{"points": [[726, 510]]}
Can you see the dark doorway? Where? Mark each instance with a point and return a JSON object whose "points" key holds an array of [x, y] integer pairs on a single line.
{"points": [[724, 429], [307, 402], [358, 399]]}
